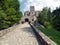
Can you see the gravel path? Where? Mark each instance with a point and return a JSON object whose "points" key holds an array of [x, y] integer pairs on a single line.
{"points": [[22, 35]]}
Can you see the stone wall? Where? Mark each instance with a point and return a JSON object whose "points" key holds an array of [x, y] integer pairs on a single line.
{"points": [[3, 32], [43, 39]]}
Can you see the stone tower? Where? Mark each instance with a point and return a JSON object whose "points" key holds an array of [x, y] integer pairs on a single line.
{"points": [[32, 10]]}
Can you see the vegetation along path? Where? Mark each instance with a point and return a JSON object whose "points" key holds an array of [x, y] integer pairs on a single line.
{"points": [[22, 35]]}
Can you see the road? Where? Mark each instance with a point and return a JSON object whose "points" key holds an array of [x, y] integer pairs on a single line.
{"points": [[21, 35]]}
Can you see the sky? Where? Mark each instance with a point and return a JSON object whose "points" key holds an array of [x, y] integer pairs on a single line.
{"points": [[39, 4]]}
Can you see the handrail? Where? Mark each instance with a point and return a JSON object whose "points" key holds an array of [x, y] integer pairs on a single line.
{"points": [[42, 38]]}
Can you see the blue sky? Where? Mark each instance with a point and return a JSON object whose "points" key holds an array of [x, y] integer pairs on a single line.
{"points": [[39, 4], [22, 5]]}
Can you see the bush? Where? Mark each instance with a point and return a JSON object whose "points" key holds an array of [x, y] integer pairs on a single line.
{"points": [[47, 25]]}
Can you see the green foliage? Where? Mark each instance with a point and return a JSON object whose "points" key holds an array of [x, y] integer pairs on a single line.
{"points": [[45, 17], [9, 13], [51, 33], [56, 20], [50, 19], [47, 24]]}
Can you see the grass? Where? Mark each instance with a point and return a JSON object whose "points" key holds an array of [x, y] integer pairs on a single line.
{"points": [[51, 33]]}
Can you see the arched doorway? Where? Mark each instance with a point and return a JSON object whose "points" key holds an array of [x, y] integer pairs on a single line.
{"points": [[26, 20]]}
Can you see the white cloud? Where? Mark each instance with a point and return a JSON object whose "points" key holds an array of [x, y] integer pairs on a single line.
{"points": [[39, 4]]}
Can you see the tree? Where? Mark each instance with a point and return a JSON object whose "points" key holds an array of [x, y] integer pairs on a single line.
{"points": [[45, 17], [9, 13], [56, 20]]}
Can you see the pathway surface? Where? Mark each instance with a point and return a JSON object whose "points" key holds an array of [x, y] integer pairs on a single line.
{"points": [[22, 35]]}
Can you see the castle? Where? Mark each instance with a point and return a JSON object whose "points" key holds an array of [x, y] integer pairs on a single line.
{"points": [[30, 16]]}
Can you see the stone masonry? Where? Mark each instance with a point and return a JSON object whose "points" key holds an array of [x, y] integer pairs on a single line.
{"points": [[30, 16]]}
